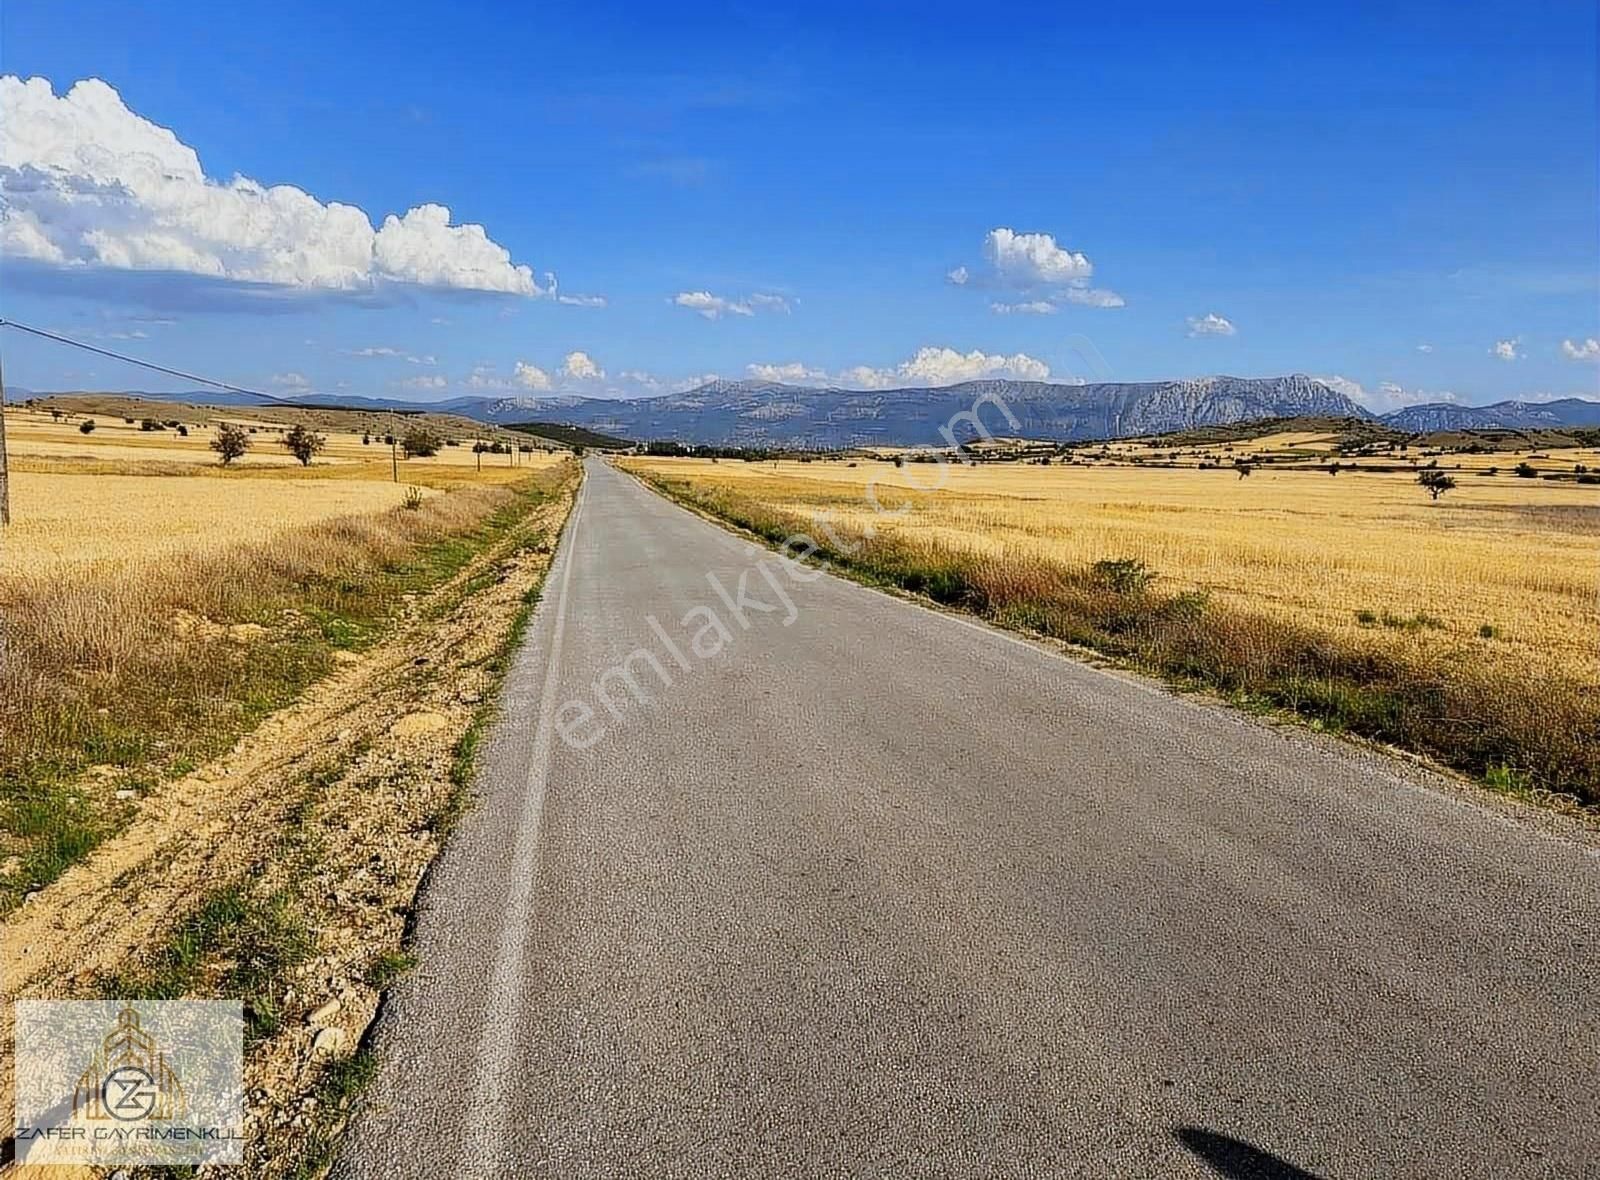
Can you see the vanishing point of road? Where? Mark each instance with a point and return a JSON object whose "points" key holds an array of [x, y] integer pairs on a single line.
{"points": [[876, 891]]}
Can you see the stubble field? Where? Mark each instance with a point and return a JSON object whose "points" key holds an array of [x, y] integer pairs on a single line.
{"points": [[123, 495], [156, 604], [1354, 597]]}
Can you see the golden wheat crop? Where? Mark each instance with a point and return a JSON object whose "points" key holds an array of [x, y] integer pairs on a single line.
{"points": [[1501, 568], [41, 441], [78, 520], [120, 495]]}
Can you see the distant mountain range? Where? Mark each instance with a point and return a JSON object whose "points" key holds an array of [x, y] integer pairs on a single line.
{"points": [[755, 413], [759, 413], [1512, 415]]}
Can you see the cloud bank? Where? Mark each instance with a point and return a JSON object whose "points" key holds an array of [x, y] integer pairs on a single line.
{"points": [[1387, 397], [930, 366], [85, 182]]}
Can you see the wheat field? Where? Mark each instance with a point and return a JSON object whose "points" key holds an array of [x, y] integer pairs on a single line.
{"points": [[1500, 569], [120, 496]]}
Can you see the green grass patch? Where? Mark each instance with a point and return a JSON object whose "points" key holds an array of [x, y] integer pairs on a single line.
{"points": [[388, 967], [234, 944], [342, 1081], [180, 701]]}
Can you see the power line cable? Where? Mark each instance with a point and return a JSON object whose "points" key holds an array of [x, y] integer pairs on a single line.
{"points": [[133, 360]]}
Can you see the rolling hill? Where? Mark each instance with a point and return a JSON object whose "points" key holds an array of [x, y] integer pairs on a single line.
{"points": [[766, 414]]}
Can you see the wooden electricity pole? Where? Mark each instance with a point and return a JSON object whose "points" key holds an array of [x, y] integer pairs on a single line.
{"points": [[5, 474]]}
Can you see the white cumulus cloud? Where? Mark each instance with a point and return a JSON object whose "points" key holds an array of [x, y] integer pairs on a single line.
{"points": [[714, 307], [1029, 259], [532, 376], [945, 366], [484, 377], [792, 373], [1044, 272], [1211, 324], [1027, 307], [386, 353], [581, 366], [86, 182], [866, 377], [1424, 348], [931, 365], [431, 383], [1582, 350], [291, 381], [1507, 350], [1387, 396]]}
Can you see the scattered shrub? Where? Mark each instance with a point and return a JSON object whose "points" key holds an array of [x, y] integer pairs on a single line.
{"points": [[420, 443], [303, 444], [1437, 482], [86, 426], [1125, 575], [230, 442]]}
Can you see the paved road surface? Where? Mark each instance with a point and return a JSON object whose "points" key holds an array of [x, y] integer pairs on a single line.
{"points": [[883, 893]]}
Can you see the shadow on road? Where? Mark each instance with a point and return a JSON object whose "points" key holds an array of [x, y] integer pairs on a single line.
{"points": [[1236, 1159]]}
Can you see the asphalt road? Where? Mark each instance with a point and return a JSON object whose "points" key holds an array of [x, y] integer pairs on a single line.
{"points": [[880, 892]]}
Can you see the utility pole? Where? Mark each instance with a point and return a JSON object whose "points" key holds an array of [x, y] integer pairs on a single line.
{"points": [[5, 473], [394, 457]]}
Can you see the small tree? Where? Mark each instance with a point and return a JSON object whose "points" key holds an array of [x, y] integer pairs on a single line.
{"points": [[1526, 470], [420, 443], [303, 444], [230, 442], [1241, 467], [86, 426], [1437, 482]]}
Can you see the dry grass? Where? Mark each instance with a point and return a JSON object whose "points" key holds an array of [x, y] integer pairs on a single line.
{"points": [[89, 520], [39, 441], [1516, 555], [1465, 628], [138, 675]]}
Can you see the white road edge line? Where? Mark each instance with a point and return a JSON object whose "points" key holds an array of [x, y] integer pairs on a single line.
{"points": [[484, 1138]]}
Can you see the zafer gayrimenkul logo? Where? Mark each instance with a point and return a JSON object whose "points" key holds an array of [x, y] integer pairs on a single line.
{"points": [[129, 1082]]}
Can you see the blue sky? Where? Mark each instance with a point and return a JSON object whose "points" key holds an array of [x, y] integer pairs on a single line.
{"points": [[1401, 195]]}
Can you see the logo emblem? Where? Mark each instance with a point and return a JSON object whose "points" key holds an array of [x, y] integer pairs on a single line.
{"points": [[129, 1078]]}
